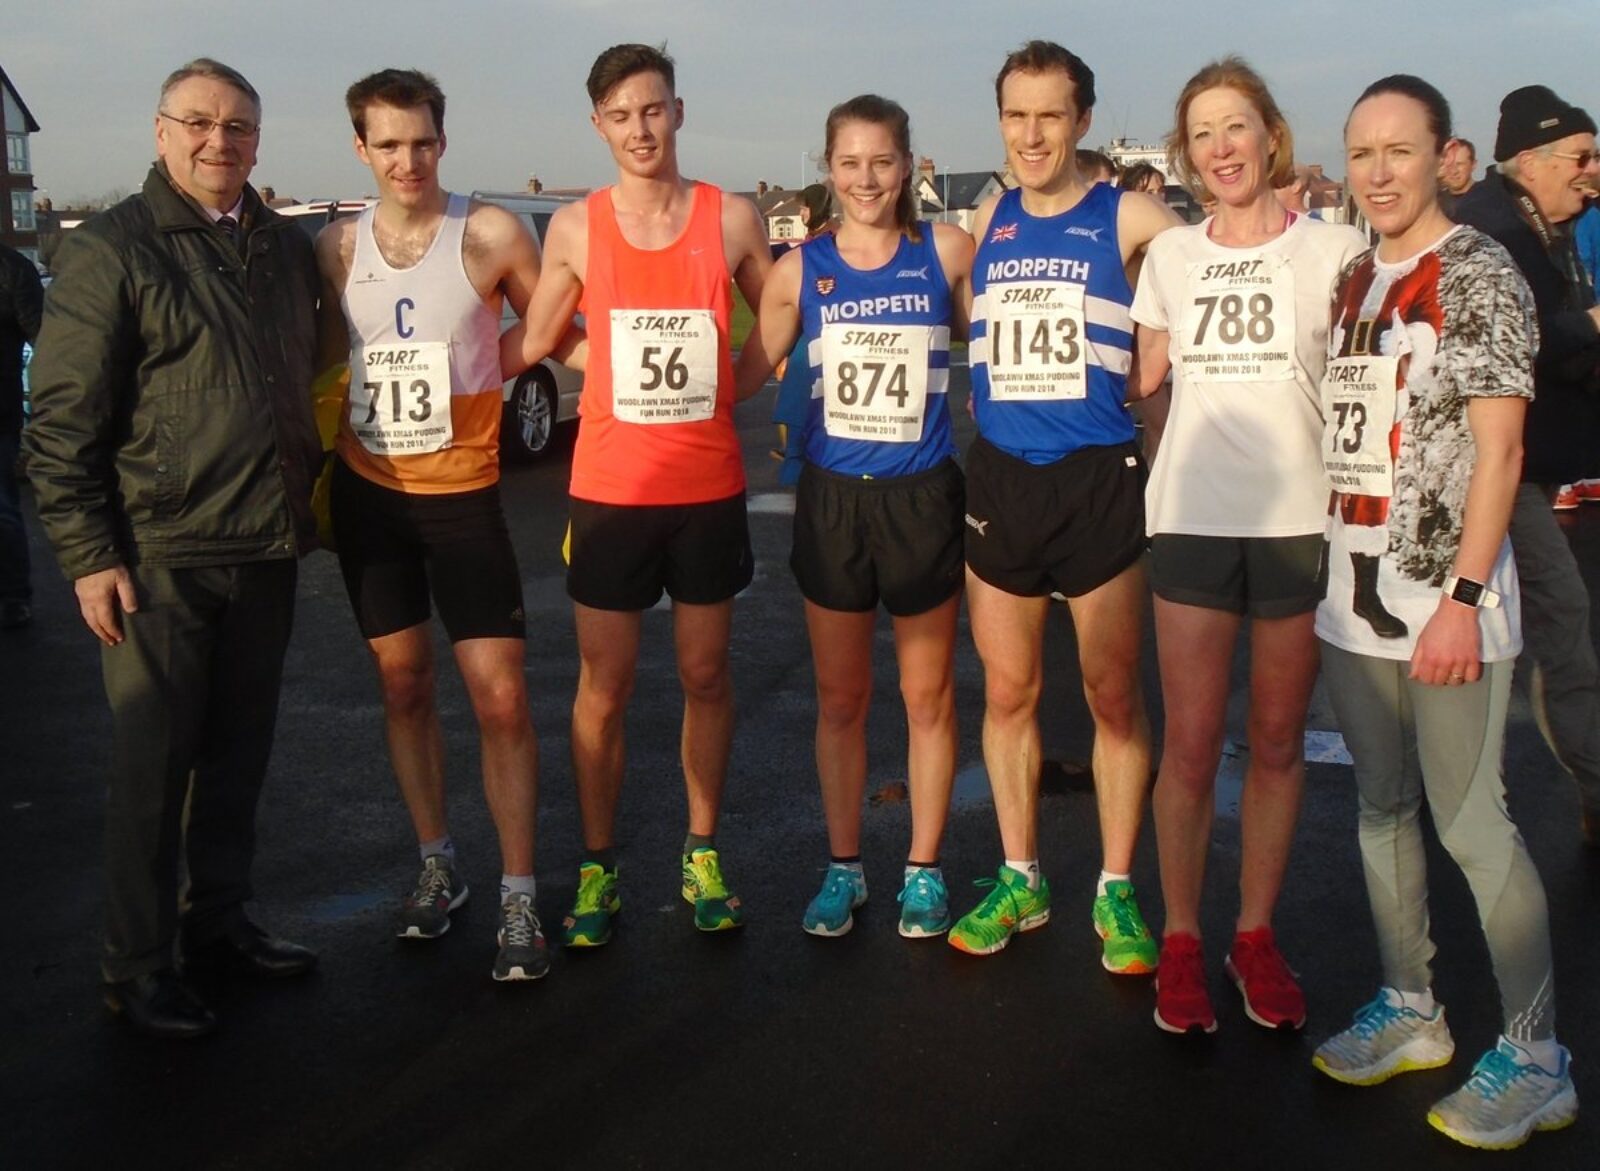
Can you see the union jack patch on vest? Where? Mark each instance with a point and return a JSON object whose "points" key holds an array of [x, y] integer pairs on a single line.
{"points": [[1003, 233]]}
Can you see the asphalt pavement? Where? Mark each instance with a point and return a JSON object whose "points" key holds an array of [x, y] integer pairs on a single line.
{"points": [[670, 1048]]}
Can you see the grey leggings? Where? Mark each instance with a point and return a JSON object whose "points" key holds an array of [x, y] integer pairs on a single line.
{"points": [[1411, 740]]}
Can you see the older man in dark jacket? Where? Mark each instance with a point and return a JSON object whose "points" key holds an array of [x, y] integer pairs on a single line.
{"points": [[172, 454], [1545, 149], [20, 299]]}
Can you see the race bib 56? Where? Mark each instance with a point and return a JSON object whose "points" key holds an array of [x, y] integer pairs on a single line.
{"points": [[663, 365]]}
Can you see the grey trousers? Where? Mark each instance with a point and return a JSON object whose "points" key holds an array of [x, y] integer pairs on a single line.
{"points": [[1558, 656], [1410, 740], [194, 699]]}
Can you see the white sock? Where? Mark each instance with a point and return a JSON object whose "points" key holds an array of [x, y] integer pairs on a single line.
{"points": [[1545, 1054], [1421, 1003], [438, 846], [1028, 867], [516, 884], [1105, 877], [911, 870]]}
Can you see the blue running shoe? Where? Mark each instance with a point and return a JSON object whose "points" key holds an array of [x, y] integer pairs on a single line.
{"points": [[924, 904], [844, 888]]}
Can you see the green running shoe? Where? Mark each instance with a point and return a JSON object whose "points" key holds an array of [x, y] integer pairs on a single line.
{"points": [[1129, 948], [588, 924], [1009, 907], [716, 908]]}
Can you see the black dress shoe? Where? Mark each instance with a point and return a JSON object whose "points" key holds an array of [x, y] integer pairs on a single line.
{"points": [[160, 1004], [246, 950]]}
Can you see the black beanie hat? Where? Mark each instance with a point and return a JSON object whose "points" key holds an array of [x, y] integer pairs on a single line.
{"points": [[817, 199], [1532, 117]]}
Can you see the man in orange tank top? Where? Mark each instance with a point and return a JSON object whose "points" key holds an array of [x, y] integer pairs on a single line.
{"points": [[415, 491], [657, 480]]}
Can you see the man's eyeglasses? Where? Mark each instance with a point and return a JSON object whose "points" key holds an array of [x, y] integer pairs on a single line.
{"points": [[202, 127], [1583, 158]]}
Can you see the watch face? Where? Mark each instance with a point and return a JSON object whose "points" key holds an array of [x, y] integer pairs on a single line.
{"points": [[1468, 593]]}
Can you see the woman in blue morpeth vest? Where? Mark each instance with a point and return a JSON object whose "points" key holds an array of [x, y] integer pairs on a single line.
{"points": [[880, 504]]}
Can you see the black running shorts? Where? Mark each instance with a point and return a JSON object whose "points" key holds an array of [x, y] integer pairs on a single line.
{"points": [[1263, 577], [1067, 527], [398, 548], [857, 541], [624, 555]]}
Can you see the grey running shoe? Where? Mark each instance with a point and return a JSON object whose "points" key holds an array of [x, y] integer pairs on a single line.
{"points": [[425, 912], [1386, 1038], [523, 953], [1507, 1099]]}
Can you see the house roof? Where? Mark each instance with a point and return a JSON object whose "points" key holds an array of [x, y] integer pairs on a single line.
{"points": [[30, 125], [962, 189]]}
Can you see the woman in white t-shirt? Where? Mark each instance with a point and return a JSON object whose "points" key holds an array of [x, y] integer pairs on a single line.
{"points": [[1429, 374], [1236, 310]]}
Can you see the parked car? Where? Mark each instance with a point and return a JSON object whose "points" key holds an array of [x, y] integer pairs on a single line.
{"points": [[535, 402], [545, 397]]}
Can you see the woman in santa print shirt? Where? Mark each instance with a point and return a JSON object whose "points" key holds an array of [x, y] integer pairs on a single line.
{"points": [[1428, 378]]}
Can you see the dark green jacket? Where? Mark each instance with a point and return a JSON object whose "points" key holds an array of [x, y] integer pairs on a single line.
{"points": [[171, 388]]}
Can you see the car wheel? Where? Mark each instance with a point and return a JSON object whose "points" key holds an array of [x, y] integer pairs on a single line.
{"points": [[530, 418]]}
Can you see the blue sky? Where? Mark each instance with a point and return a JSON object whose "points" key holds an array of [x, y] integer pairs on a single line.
{"points": [[757, 78]]}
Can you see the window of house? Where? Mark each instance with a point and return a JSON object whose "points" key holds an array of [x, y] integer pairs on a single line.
{"points": [[22, 211], [17, 155]]}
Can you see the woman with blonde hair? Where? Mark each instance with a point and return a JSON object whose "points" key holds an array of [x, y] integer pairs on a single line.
{"points": [[1235, 308]]}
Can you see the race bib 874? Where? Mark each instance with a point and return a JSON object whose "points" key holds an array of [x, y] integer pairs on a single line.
{"points": [[875, 381]]}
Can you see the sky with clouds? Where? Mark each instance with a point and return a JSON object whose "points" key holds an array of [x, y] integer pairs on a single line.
{"points": [[757, 78]]}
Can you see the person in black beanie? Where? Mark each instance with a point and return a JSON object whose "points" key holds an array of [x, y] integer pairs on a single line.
{"points": [[1545, 151]]}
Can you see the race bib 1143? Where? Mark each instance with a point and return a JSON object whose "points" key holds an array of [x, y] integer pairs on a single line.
{"points": [[1036, 342]]}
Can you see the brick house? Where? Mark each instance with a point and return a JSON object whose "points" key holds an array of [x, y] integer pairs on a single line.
{"points": [[17, 227]]}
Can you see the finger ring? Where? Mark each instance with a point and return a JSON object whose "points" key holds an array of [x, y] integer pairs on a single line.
{"points": [[1457, 678]]}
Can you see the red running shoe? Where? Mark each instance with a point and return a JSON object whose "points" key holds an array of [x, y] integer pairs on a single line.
{"points": [[1272, 998], [1567, 499], [1182, 1003], [1587, 491]]}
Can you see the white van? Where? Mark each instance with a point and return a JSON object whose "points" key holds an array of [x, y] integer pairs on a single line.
{"points": [[545, 397], [537, 401]]}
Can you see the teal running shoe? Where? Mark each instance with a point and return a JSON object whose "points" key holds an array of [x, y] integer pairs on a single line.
{"points": [[844, 888], [924, 904]]}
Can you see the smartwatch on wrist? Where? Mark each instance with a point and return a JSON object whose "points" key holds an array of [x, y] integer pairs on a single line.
{"points": [[1470, 593]]}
